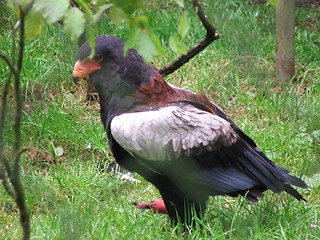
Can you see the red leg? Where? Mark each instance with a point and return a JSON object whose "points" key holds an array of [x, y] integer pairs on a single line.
{"points": [[156, 206]]}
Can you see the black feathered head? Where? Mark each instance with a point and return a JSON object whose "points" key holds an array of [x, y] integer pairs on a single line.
{"points": [[109, 62]]}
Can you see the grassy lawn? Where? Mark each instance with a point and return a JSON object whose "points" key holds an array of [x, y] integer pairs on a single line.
{"points": [[77, 199]]}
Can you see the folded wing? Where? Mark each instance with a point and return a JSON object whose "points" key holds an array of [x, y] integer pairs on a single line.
{"points": [[171, 132], [199, 149]]}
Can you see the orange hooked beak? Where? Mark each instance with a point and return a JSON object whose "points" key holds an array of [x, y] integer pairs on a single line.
{"points": [[83, 68]]}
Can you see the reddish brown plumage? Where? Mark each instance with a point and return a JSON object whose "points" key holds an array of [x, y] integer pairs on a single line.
{"points": [[159, 93]]}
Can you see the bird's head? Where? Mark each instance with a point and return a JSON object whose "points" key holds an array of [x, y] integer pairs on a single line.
{"points": [[107, 50], [109, 65], [124, 82]]}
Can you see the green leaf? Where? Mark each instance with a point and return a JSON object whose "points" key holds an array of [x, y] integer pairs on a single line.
{"points": [[33, 24], [59, 151], [177, 45], [180, 3], [55, 152], [141, 21], [157, 44], [147, 44], [273, 2], [98, 2], [52, 149], [173, 43], [117, 15], [74, 23], [132, 24], [51, 10], [183, 27], [182, 47], [91, 40], [101, 10], [132, 40], [146, 47], [85, 8], [128, 6]]}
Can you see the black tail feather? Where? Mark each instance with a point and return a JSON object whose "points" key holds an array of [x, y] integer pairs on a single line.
{"points": [[294, 193]]}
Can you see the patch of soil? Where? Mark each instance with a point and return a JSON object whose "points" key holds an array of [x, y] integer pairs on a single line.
{"points": [[36, 155]]}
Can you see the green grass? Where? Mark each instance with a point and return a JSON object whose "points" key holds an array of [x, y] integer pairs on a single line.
{"points": [[76, 200]]}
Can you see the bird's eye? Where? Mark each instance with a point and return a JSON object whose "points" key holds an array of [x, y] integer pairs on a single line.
{"points": [[98, 57]]}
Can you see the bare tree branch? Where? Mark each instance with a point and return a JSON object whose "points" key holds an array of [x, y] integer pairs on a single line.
{"points": [[15, 177], [4, 160], [6, 184], [5, 168], [211, 36], [211, 30], [16, 189]]}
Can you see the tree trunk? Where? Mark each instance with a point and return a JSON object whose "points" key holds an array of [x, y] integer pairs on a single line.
{"points": [[285, 23]]}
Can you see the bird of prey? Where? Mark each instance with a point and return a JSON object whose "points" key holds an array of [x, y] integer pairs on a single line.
{"points": [[179, 141]]}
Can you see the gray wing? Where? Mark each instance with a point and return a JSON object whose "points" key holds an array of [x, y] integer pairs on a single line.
{"points": [[171, 132]]}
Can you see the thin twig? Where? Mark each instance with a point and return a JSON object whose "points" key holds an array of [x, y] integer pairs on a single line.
{"points": [[193, 51], [15, 177], [203, 18], [5, 183], [18, 97], [5, 168], [3, 160], [28, 8], [9, 64]]}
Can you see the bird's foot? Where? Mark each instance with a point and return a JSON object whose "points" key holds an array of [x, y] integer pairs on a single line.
{"points": [[156, 206]]}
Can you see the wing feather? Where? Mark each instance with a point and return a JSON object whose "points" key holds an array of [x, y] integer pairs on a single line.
{"points": [[169, 132], [207, 150]]}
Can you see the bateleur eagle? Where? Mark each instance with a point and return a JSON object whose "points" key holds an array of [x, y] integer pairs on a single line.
{"points": [[179, 141]]}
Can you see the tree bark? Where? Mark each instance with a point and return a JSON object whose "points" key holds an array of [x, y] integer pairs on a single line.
{"points": [[285, 51]]}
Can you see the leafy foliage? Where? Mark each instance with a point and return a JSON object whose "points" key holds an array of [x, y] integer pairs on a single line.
{"points": [[74, 30], [55, 152], [34, 23], [121, 12], [128, 6], [176, 43], [183, 27], [52, 11]]}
